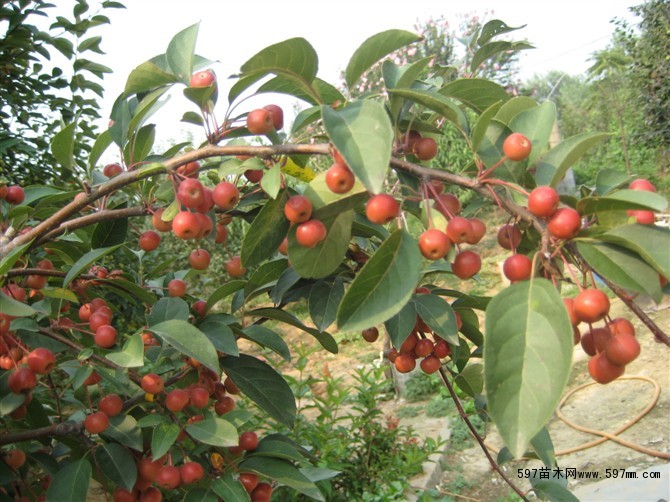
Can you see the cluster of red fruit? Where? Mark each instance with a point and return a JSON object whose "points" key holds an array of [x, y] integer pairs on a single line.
{"points": [[611, 346], [13, 194], [99, 315]]}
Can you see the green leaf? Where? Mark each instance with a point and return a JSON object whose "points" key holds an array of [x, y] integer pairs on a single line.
{"points": [[294, 59], [551, 490], [117, 464], [193, 118], [324, 299], [610, 179], [479, 130], [401, 78], [527, 356], [86, 261], [493, 48], [284, 472], [271, 181], [14, 308], [189, 340], [438, 315], [512, 107], [555, 163], [62, 146], [264, 277], [167, 309], [622, 200], [362, 133], [325, 339], [544, 447], [180, 52], [432, 100], [384, 284], [536, 124], [624, 268], [163, 437], [263, 385], [373, 49], [230, 489], [494, 28], [8, 261], [198, 494], [224, 291], [214, 431], [109, 233], [143, 143], [277, 449], [101, 144], [324, 258], [219, 333], [327, 92], [204, 97], [327, 203], [147, 77], [70, 484], [124, 429], [266, 232], [401, 325], [132, 355], [268, 339], [476, 93], [471, 379], [649, 241]]}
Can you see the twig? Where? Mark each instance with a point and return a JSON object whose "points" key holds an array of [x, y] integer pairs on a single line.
{"points": [[477, 437], [62, 429]]}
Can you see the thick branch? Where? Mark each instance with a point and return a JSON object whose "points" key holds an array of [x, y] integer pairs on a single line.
{"points": [[62, 429]]}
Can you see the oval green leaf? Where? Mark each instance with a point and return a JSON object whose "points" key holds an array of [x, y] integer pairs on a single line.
{"points": [[214, 431], [269, 339], [284, 472], [362, 133], [438, 315], [132, 355], [124, 429], [179, 54], [651, 242], [266, 232], [163, 437], [117, 464], [324, 299], [622, 200], [189, 340], [527, 355], [70, 484], [384, 285]]}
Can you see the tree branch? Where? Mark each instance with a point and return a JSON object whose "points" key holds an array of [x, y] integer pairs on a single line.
{"points": [[62, 429]]}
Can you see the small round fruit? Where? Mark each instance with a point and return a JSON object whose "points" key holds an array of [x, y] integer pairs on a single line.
{"points": [[253, 175], [478, 231], [277, 115], [221, 234], [591, 305], [111, 405], [168, 477], [122, 495], [381, 209], [642, 216], [206, 225], [459, 229], [298, 209], [410, 139], [158, 223], [622, 349], [234, 267], [570, 307], [509, 237], [409, 343], [15, 195], [191, 472], [441, 349], [199, 397], [22, 380], [642, 184], [370, 334], [186, 225], [176, 288], [105, 336], [249, 480], [283, 247], [425, 149], [602, 370], [111, 170], [424, 347], [149, 241], [97, 422], [447, 204], [517, 146], [177, 400], [466, 264], [189, 170], [203, 78], [310, 233], [199, 308], [518, 267], [190, 193], [565, 223], [248, 441], [226, 195], [224, 404], [405, 363], [434, 244], [199, 259], [339, 178], [15, 458], [595, 340], [262, 493], [543, 201], [148, 469], [151, 494], [152, 383], [620, 325], [259, 121], [41, 361], [430, 364]]}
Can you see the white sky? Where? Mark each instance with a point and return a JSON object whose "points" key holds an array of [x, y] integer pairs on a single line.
{"points": [[565, 33]]}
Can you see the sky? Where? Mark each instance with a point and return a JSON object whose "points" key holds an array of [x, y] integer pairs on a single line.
{"points": [[565, 33]]}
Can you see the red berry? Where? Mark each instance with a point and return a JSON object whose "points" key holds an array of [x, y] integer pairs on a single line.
{"points": [[225, 195], [259, 121], [371, 334], [339, 178], [41, 361], [224, 404], [199, 259], [203, 78], [622, 349], [430, 364], [186, 225], [381, 209], [643, 217], [111, 170], [97, 422], [158, 223], [517, 146], [152, 383], [105, 336], [249, 480], [277, 115], [15, 458], [434, 244], [642, 184], [591, 305], [509, 236], [466, 264], [603, 371], [425, 149], [191, 472], [565, 223], [459, 229], [199, 397], [22, 380], [405, 363], [248, 441], [518, 267], [177, 400], [543, 201], [478, 231], [15, 195], [234, 267], [298, 209], [111, 405], [149, 240], [168, 477], [310, 233], [190, 193], [176, 287], [262, 493]]}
